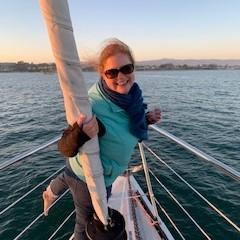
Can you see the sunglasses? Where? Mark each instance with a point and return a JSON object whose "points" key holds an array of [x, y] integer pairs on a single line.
{"points": [[113, 73]]}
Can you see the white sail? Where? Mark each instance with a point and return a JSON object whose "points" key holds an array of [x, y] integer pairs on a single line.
{"points": [[59, 26]]}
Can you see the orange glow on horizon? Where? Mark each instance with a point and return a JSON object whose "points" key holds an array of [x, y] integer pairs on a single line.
{"points": [[44, 54]]}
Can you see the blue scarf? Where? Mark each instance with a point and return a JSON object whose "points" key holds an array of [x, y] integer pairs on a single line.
{"points": [[133, 104]]}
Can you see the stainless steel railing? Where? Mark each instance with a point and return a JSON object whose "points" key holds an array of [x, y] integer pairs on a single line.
{"points": [[26, 154], [225, 168], [216, 163]]}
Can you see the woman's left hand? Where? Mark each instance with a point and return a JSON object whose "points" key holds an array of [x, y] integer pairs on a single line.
{"points": [[153, 116]]}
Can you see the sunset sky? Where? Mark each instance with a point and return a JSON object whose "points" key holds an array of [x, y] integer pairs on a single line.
{"points": [[154, 29]]}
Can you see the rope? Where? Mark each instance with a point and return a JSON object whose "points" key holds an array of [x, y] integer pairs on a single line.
{"points": [[134, 197], [150, 220]]}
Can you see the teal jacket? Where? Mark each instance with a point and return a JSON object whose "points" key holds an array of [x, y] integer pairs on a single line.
{"points": [[117, 144]]}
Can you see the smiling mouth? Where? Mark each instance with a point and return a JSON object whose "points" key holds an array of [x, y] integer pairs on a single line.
{"points": [[122, 83]]}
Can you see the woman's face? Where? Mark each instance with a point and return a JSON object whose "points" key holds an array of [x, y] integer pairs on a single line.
{"points": [[121, 83]]}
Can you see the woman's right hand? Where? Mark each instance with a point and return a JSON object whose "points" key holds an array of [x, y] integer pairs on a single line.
{"points": [[81, 119], [91, 127]]}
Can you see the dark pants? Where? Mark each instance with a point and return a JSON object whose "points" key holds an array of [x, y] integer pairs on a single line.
{"points": [[81, 198]]}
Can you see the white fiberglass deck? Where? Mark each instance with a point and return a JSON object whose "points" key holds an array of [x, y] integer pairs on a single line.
{"points": [[126, 195]]}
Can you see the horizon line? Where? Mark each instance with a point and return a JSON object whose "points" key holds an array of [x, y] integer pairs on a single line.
{"points": [[147, 60]]}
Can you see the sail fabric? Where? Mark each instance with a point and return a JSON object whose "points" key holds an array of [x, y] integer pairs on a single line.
{"points": [[57, 18]]}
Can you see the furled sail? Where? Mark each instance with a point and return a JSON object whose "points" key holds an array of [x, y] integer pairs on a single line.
{"points": [[59, 26]]}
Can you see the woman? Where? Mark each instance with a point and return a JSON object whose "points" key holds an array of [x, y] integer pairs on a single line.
{"points": [[121, 122]]}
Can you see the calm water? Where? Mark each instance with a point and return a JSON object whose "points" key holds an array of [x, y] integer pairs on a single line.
{"points": [[201, 107]]}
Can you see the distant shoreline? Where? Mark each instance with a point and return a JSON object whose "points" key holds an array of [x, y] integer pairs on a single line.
{"points": [[51, 67]]}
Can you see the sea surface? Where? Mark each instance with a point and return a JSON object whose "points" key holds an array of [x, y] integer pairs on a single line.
{"points": [[200, 107]]}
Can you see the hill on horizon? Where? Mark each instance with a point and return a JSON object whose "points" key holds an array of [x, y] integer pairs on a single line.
{"points": [[157, 62], [191, 62]]}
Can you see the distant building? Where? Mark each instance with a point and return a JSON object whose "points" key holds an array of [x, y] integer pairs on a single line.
{"points": [[27, 67], [7, 67]]}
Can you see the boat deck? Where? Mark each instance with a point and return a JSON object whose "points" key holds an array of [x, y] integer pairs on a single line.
{"points": [[128, 198]]}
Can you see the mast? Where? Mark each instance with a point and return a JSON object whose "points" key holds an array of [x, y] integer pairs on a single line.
{"points": [[57, 18]]}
